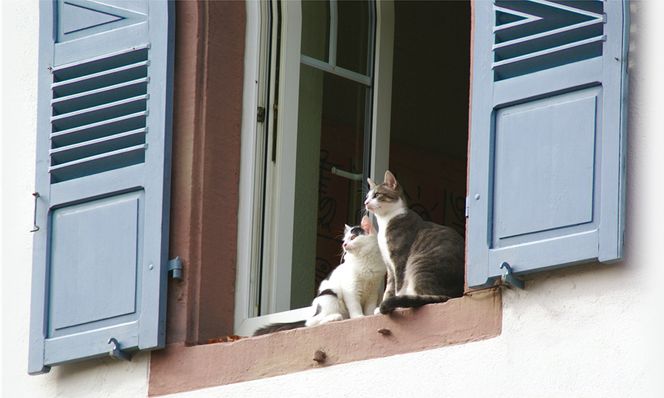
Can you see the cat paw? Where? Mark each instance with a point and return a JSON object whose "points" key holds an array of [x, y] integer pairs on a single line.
{"points": [[385, 309], [331, 318]]}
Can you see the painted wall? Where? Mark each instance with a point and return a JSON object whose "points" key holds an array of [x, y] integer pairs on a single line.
{"points": [[591, 331]]}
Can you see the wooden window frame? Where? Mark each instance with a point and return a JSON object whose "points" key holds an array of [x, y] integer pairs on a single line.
{"points": [[209, 67]]}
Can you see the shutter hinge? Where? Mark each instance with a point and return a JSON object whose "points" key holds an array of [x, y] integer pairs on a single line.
{"points": [[508, 277], [467, 211], [260, 114], [175, 268]]}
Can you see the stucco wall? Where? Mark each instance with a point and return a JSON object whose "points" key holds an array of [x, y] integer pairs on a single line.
{"points": [[590, 331]]}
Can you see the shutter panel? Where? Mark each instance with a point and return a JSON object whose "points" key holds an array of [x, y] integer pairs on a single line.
{"points": [[546, 184], [103, 178]]}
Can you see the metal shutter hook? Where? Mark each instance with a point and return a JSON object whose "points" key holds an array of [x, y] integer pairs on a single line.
{"points": [[508, 277], [35, 227], [116, 352]]}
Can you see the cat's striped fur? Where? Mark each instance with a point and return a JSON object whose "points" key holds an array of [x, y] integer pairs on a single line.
{"points": [[425, 261]]}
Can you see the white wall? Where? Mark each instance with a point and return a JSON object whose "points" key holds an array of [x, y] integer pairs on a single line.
{"points": [[592, 331]]}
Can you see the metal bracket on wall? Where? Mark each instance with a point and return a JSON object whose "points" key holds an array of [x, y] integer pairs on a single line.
{"points": [[116, 352], [35, 227], [508, 277], [175, 268]]}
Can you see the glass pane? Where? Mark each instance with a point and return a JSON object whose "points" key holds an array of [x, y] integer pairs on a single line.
{"points": [[331, 127], [316, 29], [353, 35]]}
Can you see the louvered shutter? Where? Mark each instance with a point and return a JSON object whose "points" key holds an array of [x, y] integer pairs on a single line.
{"points": [[546, 185], [102, 175]]}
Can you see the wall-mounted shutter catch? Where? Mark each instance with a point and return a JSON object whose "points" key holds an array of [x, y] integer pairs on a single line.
{"points": [[116, 352]]}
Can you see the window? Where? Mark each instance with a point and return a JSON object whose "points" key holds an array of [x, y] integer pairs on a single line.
{"points": [[333, 133], [523, 93]]}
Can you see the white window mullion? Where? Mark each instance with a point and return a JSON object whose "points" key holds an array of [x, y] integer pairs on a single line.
{"points": [[334, 26]]}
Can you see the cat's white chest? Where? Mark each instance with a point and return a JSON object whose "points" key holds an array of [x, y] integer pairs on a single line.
{"points": [[384, 251]]}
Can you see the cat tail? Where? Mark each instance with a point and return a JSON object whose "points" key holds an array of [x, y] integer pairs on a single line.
{"points": [[410, 301], [278, 327]]}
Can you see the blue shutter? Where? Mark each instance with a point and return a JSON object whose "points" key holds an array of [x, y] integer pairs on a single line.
{"points": [[102, 175], [546, 184]]}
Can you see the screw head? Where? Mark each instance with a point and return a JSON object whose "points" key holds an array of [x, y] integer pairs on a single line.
{"points": [[151, 266], [320, 356], [477, 196]]}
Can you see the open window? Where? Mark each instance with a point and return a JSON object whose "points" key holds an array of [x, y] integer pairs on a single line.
{"points": [[348, 88], [545, 33], [355, 88]]}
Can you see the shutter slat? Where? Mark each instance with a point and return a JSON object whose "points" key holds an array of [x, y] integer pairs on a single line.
{"points": [[100, 128], [526, 39], [89, 159], [98, 163], [119, 70], [100, 112], [548, 51], [115, 92], [100, 80], [103, 140], [102, 62], [72, 117]]}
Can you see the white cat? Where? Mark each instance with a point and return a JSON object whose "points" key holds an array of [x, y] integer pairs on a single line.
{"points": [[353, 289]]}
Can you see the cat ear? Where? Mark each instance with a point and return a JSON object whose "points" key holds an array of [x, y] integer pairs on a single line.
{"points": [[366, 224], [391, 181], [346, 228], [372, 184]]}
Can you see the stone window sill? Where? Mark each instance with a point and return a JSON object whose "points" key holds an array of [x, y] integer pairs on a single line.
{"points": [[178, 368]]}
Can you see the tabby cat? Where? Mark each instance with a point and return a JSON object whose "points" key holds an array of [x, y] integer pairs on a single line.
{"points": [[425, 261]]}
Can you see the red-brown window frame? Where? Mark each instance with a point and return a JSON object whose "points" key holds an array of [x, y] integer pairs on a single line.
{"points": [[209, 68]]}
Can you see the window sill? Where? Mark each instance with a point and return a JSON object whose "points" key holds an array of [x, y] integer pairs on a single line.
{"points": [[179, 368]]}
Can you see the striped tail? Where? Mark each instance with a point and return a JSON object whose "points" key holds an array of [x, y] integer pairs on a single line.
{"points": [[410, 301], [278, 327]]}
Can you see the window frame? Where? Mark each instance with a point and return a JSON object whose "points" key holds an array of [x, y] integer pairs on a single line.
{"points": [[260, 92], [208, 98]]}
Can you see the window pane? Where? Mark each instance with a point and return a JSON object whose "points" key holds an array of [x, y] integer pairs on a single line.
{"points": [[353, 35], [315, 29], [331, 128]]}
